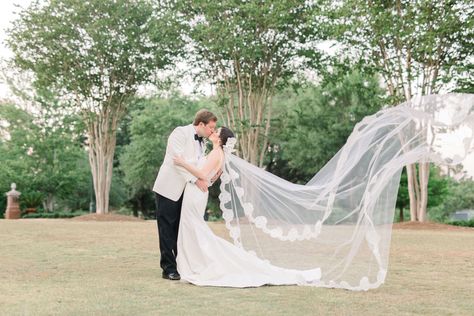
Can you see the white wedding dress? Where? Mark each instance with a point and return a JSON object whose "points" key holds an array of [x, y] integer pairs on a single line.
{"points": [[206, 259]]}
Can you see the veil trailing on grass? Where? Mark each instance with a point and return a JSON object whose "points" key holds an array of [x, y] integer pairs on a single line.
{"points": [[341, 220]]}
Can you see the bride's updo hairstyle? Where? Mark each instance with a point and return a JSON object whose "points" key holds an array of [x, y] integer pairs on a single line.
{"points": [[225, 134]]}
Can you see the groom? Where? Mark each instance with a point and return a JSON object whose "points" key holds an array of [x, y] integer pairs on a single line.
{"points": [[186, 141]]}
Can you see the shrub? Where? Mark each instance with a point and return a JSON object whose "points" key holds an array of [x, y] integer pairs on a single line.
{"points": [[59, 214], [31, 199], [469, 223]]}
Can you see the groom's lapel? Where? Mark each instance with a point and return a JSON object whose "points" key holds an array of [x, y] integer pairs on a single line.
{"points": [[196, 145], [203, 147]]}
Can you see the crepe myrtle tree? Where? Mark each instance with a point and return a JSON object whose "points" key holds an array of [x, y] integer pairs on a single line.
{"points": [[250, 50], [418, 47], [93, 55]]}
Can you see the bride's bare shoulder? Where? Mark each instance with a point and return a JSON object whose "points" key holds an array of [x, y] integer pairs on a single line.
{"points": [[215, 152]]}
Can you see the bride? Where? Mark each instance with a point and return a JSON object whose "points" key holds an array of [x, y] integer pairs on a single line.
{"points": [[335, 230], [206, 259]]}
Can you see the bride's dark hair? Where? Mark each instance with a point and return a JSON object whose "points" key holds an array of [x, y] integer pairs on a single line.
{"points": [[225, 134]]}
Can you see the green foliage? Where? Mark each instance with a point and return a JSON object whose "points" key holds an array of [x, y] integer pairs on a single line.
{"points": [[460, 196], [83, 192], [213, 210], [43, 153], [31, 199], [4, 187], [118, 191], [313, 125], [403, 199], [469, 223], [96, 48], [416, 45], [124, 211], [56, 214], [465, 82], [256, 39]]}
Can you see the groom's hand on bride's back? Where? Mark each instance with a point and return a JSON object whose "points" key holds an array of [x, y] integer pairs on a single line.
{"points": [[202, 185]]}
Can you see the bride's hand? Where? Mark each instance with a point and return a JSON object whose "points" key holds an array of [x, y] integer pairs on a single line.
{"points": [[178, 160]]}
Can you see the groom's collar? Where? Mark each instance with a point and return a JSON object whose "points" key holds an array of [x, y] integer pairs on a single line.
{"points": [[195, 131]]}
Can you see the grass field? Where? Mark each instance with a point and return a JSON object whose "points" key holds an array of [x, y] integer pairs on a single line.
{"points": [[66, 267]]}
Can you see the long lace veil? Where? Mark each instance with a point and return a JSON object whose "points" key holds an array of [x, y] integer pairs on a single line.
{"points": [[341, 220]]}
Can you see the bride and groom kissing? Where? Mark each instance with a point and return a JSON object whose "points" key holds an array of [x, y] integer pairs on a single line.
{"points": [[183, 180], [190, 251]]}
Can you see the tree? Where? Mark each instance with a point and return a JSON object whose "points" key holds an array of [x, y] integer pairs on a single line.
{"points": [[42, 152], [93, 56], [315, 124], [12, 166], [250, 50], [418, 47]]}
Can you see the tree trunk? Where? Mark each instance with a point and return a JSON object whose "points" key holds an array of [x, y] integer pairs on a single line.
{"points": [[48, 203], [411, 176], [101, 166], [102, 139], [424, 176], [250, 119], [402, 219]]}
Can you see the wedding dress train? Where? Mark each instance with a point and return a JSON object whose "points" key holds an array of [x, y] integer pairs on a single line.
{"points": [[206, 259]]}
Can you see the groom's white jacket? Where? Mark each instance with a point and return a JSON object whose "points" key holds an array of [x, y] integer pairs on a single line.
{"points": [[172, 179]]}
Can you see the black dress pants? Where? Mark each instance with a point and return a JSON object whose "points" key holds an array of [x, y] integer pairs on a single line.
{"points": [[168, 214]]}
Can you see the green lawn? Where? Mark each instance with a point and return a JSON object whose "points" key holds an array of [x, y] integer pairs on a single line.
{"points": [[66, 267]]}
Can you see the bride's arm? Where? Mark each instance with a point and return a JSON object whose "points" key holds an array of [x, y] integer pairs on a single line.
{"points": [[211, 164]]}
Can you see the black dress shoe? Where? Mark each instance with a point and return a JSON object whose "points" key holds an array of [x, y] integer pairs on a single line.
{"points": [[174, 276]]}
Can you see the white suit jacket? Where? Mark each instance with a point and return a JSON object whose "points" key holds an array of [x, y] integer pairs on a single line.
{"points": [[172, 179]]}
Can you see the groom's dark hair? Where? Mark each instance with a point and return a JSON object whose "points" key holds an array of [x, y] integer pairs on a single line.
{"points": [[204, 116]]}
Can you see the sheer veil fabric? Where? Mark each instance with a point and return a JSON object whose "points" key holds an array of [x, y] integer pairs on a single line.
{"points": [[340, 222]]}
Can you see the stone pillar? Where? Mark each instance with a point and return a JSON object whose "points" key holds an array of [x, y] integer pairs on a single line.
{"points": [[13, 207]]}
